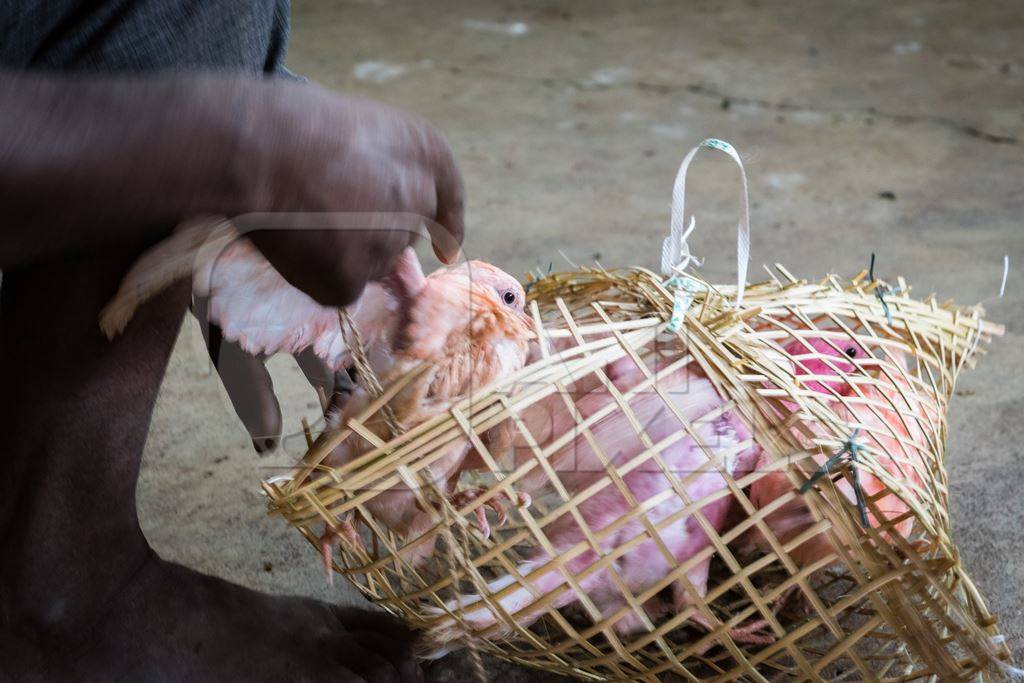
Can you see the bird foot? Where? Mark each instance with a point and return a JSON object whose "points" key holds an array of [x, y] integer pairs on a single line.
{"points": [[922, 547], [461, 498], [791, 599], [753, 633], [750, 634], [345, 533]]}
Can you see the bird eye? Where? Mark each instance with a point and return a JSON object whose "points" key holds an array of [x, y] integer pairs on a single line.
{"points": [[509, 297], [850, 351]]}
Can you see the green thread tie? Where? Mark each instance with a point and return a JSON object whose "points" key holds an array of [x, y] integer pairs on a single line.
{"points": [[882, 291], [848, 453]]}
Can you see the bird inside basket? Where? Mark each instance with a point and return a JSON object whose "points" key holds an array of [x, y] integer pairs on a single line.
{"points": [[890, 417], [465, 323], [466, 335], [646, 509]]}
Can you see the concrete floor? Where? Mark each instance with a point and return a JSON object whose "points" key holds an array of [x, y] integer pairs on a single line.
{"points": [[866, 127]]}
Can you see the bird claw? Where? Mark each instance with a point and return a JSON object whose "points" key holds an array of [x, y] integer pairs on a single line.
{"points": [[751, 634], [523, 499], [791, 597], [346, 533], [748, 634], [922, 547], [461, 498]]}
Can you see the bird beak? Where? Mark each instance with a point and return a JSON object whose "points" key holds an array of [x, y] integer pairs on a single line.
{"points": [[530, 324]]}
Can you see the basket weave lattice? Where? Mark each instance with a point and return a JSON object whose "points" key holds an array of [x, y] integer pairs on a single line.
{"points": [[889, 600]]}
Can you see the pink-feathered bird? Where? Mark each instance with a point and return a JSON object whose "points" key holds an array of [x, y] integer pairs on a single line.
{"points": [[255, 306], [578, 466], [889, 415], [467, 321], [693, 468], [470, 335]]}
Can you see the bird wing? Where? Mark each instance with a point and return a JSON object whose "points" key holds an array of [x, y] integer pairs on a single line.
{"points": [[171, 260], [255, 306], [250, 301]]}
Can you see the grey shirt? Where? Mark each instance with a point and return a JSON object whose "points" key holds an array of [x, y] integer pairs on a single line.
{"points": [[145, 35]]}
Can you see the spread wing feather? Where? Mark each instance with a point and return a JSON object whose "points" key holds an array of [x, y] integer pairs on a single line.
{"points": [[248, 299]]}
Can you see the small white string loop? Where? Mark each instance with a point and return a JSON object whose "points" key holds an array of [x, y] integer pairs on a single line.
{"points": [[1002, 282], [675, 252]]}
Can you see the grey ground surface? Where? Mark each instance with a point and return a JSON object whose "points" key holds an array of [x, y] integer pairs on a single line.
{"points": [[569, 129]]}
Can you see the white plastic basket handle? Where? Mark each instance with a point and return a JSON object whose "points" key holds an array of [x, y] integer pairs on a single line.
{"points": [[675, 252]]}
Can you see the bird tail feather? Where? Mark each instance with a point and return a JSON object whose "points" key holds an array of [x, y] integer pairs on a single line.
{"points": [[161, 266]]}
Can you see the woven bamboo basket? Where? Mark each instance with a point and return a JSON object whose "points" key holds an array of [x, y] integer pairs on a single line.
{"points": [[887, 599]]}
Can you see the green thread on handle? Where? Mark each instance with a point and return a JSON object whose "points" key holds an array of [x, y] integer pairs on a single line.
{"points": [[685, 289], [715, 143]]}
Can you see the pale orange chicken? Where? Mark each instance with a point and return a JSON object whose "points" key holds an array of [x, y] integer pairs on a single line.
{"points": [[466, 322], [468, 337]]}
